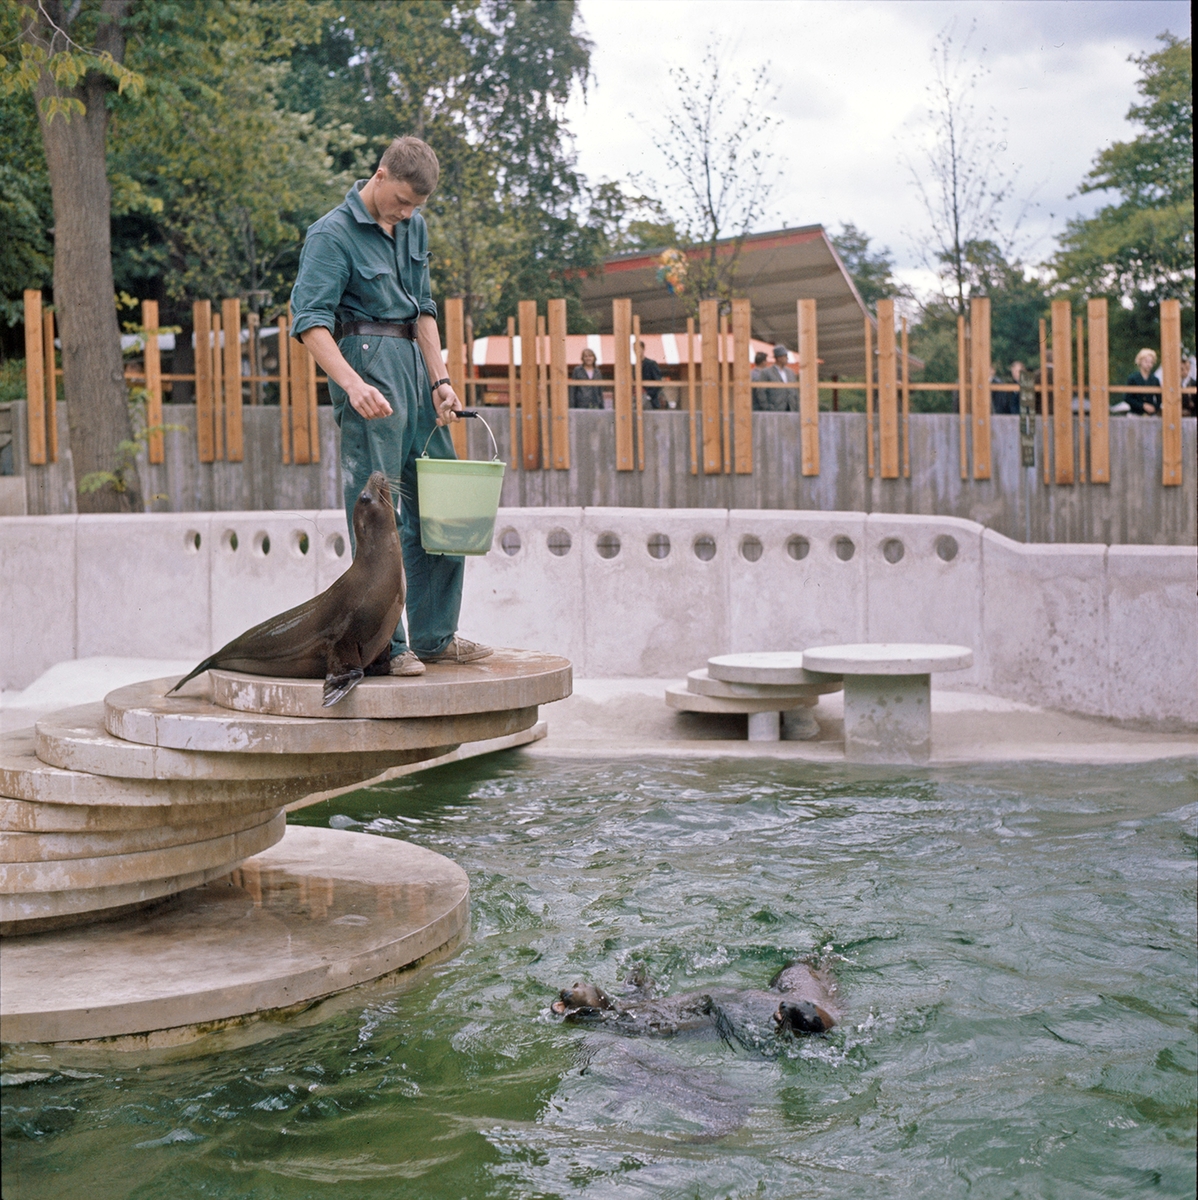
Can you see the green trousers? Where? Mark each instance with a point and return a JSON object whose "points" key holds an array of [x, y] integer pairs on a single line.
{"points": [[392, 445]]}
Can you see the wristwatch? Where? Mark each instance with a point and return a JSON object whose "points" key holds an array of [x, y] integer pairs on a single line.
{"points": [[439, 382]]}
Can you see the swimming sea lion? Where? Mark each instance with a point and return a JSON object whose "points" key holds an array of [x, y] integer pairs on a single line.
{"points": [[806, 1006], [345, 632]]}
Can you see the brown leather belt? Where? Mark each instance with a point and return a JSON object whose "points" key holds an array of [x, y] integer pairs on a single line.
{"points": [[378, 329]]}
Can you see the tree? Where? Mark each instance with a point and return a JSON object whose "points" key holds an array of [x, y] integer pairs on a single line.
{"points": [[71, 59], [1139, 250], [712, 145], [872, 272], [958, 178]]}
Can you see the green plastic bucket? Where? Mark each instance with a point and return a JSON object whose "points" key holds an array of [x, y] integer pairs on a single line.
{"points": [[458, 501]]}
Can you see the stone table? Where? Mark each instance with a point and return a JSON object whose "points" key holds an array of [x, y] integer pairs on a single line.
{"points": [[887, 695], [766, 684]]}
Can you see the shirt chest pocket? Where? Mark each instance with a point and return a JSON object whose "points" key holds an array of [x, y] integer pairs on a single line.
{"points": [[376, 289]]}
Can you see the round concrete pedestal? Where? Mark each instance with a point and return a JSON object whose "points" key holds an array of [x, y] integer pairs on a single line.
{"points": [[321, 911]]}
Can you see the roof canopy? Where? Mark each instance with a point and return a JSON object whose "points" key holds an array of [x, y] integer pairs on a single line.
{"points": [[775, 270], [666, 349]]}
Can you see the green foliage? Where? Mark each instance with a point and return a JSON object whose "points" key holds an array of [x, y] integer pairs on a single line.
{"points": [[873, 273], [1139, 250], [26, 255], [12, 380], [128, 450]]}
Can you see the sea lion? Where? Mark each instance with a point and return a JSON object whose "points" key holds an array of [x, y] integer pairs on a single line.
{"points": [[800, 1000], [344, 633]]}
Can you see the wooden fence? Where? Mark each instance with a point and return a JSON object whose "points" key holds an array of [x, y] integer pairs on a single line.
{"points": [[717, 386]]}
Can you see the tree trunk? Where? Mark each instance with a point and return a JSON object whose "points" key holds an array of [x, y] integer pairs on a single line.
{"points": [[92, 367]]}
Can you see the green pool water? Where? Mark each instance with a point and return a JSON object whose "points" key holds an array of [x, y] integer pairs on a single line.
{"points": [[1016, 951]]}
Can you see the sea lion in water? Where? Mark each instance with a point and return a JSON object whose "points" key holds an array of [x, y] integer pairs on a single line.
{"points": [[800, 1001], [344, 633]]}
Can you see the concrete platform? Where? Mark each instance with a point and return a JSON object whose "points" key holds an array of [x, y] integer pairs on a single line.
{"points": [[703, 683], [507, 679], [683, 699], [322, 911], [776, 667]]}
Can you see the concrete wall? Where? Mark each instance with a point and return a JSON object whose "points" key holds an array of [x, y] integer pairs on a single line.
{"points": [[1133, 509], [1103, 631]]}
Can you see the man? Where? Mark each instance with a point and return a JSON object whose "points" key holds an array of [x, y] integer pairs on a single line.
{"points": [[784, 399], [650, 370], [362, 305], [761, 396]]}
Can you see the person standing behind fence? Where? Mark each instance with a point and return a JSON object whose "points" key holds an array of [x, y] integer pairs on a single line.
{"points": [[761, 396], [651, 370], [363, 307], [1141, 403], [1006, 402], [586, 397], [782, 399]]}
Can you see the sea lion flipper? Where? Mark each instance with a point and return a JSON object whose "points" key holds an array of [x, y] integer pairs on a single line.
{"points": [[337, 687], [208, 662]]}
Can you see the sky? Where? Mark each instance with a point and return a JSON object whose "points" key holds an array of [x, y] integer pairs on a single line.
{"points": [[851, 105]]}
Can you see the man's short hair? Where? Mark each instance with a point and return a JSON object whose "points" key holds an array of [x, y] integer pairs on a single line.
{"points": [[409, 160], [760, 357]]}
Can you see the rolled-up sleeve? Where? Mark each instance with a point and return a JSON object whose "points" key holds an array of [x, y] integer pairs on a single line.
{"points": [[319, 284]]}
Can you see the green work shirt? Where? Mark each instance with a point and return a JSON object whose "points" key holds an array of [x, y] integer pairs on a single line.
{"points": [[350, 270]]}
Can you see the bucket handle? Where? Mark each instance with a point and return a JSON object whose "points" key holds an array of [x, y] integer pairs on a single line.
{"points": [[475, 417]]}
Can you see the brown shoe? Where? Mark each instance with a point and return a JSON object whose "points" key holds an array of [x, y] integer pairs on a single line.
{"points": [[459, 650], [407, 664]]}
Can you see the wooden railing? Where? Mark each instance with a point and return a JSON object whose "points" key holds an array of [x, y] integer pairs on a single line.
{"points": [[717, 385]]}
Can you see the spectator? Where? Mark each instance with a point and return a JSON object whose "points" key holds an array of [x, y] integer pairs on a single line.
{"points": [[1006, 402], [650, 370], [761, 396], [586, 397], [782, 399], [1189, 373], [1141, 403]]}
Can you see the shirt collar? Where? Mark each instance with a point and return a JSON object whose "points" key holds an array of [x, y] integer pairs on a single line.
{"points": [[357, 206]]}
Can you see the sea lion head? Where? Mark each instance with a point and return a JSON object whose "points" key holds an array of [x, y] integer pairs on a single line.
{"points": [[800, 1016], [374, 513], [582, 1001]]}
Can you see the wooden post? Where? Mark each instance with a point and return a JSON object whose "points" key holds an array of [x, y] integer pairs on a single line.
{"points": [[887, 392], [963, 396], [690, 392], [869, 398], [253, 346], [231, 320], [725, 397], [513, 420], [1080, 335], [710, 393], [979, 341], [527, 310], [1100, 393], [51, 385], [742, 395], [906, 404], [313, 416], [475, 400], [638, 392], [621, 323], [201, 319], [455, 367], [1045, 424], [301, 442], [543, 393], [218, 392], [559, 390], [1062, 392], [149, 322], [1171, 393], [35, 377], [284, 355], [808, 388]]}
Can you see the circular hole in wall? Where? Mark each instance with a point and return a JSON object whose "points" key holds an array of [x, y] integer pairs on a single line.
{"points": [[336, 545], [299, 539], [608, 545], [658, 545], [229, 539], [798, 547], [705, 547], [844, 548], [262, 543], [751, 547], [191, 541], [509, 539], [892, 550], [946, 547], [559, 542]]}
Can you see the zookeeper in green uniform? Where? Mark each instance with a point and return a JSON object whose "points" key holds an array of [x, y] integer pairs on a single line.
{"points": [[363, 307]]}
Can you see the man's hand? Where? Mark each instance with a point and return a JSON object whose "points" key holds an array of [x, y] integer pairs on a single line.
{"points": [[368, 401], [447, 403]]}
